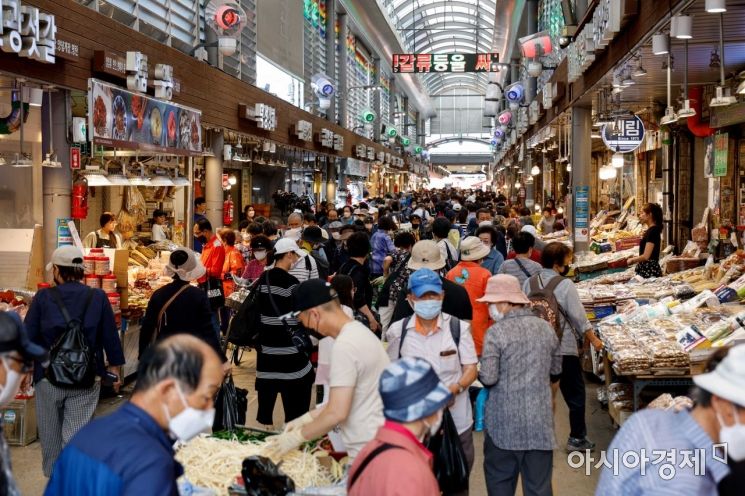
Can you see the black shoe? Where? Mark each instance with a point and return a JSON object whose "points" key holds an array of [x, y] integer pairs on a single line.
{"points": [[577, 444]]}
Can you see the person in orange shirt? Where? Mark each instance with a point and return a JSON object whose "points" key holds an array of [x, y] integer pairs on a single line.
{"points": [[233, 265], [213, 259], [473, 277]]}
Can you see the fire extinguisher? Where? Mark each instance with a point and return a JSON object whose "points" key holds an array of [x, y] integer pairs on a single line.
{"points": [[228, 210], [80, 198]]}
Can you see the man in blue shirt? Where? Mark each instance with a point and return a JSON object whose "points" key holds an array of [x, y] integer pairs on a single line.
{"points": [[130, 451], [663, 452], [200, 211]]}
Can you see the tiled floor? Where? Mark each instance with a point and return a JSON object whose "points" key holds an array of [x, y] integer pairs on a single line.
{"points": [[566, 480]]}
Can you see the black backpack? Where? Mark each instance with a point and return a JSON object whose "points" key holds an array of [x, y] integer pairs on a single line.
{"points": [[72, 359], [321, 264], [244, 327]]}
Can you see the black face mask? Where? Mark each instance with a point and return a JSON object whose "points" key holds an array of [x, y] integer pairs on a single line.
{"points": [[202, 239], [564, 271]]}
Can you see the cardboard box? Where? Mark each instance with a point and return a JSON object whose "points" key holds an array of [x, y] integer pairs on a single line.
{"points": [[19, 422]]}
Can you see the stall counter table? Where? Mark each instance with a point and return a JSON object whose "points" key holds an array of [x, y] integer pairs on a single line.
{"points": [[639, 382]]}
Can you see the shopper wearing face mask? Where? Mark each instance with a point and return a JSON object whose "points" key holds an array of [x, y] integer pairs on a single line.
{"points": [[556, 259], [260, 248], [445, 342], [131, 450], [61, 410], [717, 419], [306, 267], [17, 355], [357, 360], [396, 461], [356, 267], [281, 367], [521, 358]]}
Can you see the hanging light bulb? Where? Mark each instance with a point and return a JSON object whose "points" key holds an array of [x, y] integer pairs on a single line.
{"points": [[716, 6], [517, 183], [535, 170], [569, 167], [617, 161]]}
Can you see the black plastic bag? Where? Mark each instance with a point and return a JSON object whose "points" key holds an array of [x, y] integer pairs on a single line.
{"points": [[450, 465], [263, 478], [230, 406]]}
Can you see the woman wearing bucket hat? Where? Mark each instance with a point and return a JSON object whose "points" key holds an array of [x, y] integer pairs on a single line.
{"points": [[472, 276], [521, 357], [179, 307], [396, 461]]}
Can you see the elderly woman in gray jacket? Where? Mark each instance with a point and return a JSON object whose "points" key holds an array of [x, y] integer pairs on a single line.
{"points": [[520, 360]]}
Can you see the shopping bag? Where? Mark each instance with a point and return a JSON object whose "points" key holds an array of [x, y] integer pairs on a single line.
{"points": [[450, 465], [230, 406], [263, 478]]}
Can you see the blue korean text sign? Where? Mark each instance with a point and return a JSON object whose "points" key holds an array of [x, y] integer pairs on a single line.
{"points": [[624, 135], [581, 214]]}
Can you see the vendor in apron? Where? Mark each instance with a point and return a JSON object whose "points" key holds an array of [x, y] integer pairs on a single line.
{"points": [[104, 237]]}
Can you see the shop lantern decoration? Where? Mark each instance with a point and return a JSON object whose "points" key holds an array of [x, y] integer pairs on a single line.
{"points": [[505, 118], [323, 88], [136, 72], [27, 31], [368, 116], [228, 19], [514, 94], [418, 150], [163, 81], [405, 141], [389, 131]]}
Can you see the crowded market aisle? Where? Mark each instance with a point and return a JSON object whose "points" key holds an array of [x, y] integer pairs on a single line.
{"points": [[566, 480]]}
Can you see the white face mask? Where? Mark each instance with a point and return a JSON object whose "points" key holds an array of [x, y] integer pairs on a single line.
{"points": [[733, 436], [13, 379], [190, 422], [494, 313], [260, 255], [297, 264]]}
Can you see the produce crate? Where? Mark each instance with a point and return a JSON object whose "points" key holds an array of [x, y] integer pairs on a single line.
{"points": [[19, 422]]}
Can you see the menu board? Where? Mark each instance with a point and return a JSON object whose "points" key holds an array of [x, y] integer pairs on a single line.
{"points": [[123, 119]]}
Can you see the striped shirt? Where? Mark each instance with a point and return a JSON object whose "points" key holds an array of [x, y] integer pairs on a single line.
{"points": [[511, 268], [278, 358], [649, 434], [306, 268]]}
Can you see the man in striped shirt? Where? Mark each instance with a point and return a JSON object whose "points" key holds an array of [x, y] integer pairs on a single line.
{"points": [[663, 452]]}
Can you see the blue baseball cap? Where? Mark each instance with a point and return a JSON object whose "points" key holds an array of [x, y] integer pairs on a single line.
{"points": [[424, 281], [411, 390]]}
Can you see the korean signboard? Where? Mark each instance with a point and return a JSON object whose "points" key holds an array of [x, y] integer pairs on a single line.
{"points": [[28, 32], [721, 144], [124, 119], [445, 62], [625, 135]]}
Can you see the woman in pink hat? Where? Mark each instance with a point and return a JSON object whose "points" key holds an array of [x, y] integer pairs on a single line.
{"points": [[520, 360]]}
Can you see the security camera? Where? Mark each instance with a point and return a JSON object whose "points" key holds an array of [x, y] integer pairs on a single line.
{"points": [[227, 45], [322, 85], [534, 68]]}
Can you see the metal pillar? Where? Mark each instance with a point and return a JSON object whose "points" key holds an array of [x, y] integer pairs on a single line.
{"points": [[581, 161], [405, 120], [343, 31], [189, 203], [532, 17], [392, 102], [56, 183], [342, 177], [213, 175], [377, 99], [331, 52], [668, 185]]}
